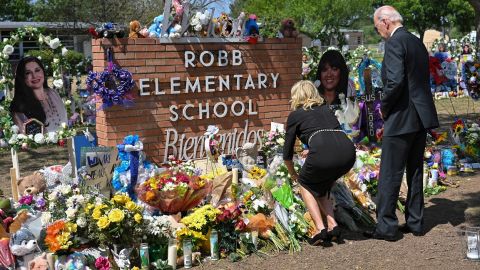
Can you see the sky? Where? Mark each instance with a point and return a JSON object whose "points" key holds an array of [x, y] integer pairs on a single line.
{"points": [[221, 6]]}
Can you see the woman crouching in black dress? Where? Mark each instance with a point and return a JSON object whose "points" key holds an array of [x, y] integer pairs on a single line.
{"points": [[331, 155]]}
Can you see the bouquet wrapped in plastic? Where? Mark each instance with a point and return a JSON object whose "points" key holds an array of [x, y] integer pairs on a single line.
{"points": [[173, 191]]}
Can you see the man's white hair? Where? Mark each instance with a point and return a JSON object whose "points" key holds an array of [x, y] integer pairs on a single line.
{"points": [[388, 12]]}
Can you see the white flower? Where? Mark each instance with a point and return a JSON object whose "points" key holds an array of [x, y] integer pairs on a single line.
{"points": [[81, 221], [53, 196], [65, 189], [46, 217], [30, 136], [52, 137], [15, 129], [363, 187], [40, 39], [22, 137], [64, 125], [71, 213], [56, 60], [64, 51], [68, 102], [8, 49], [3, 80], [13, 139], [169, 186], [54, 43], [39, 138], [257, 204], [58, 83], [280, 141]]}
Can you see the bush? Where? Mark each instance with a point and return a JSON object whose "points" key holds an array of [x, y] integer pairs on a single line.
{"points": [[46, 56], [75, 62]]}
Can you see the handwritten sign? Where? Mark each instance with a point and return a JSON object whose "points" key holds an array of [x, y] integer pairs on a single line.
{"points": [[100, 166], [33, 126]]}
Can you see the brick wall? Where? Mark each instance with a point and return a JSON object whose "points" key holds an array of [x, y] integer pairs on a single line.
{"points": [[150, 115]]}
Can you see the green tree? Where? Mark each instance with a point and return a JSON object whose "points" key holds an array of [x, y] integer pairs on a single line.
{"points": [[320, 19], [15, 10], [421, 15], [476, 6]]}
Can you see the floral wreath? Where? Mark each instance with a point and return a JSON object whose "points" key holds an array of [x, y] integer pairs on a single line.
{"points": [[122, 82], [9, 132], [472, 73]]}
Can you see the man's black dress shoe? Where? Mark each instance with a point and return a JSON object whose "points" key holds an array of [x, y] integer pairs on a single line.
{"points": [[374, 235], [405, 229]]}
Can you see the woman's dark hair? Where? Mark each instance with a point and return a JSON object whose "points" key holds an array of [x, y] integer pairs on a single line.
{"points": [[334, 59], [24, 100]]}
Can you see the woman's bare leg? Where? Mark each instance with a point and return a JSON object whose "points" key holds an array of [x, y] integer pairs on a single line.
{"points": [[313, 208]]}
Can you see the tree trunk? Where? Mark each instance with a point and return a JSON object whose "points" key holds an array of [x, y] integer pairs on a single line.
{"points": [[476, 6]]}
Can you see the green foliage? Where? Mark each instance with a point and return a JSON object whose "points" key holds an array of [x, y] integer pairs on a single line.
{"points": [[46, 56], [15, 10], [75, 62], [429, 191], [320, 19]]}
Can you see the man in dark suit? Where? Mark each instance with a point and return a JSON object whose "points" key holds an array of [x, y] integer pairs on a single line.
{"points": [[408, 111]]}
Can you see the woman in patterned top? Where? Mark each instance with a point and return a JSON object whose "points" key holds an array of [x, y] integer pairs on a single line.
{"points": [[34, 99]]}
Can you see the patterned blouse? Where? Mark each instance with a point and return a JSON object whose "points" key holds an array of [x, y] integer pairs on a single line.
{"points": [[54, 109]]}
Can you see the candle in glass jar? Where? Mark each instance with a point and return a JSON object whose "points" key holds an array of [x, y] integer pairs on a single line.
{"points": [[187, 253], [172, 253], [235, 176]]}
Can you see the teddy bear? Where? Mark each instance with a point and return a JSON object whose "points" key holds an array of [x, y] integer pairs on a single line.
{"points": [[287, 29], [39, 263], [135, 29], [155, 30], [32, 184]]}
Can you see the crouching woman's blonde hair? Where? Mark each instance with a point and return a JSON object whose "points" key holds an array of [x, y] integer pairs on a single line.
{"points": [[305, 94]]}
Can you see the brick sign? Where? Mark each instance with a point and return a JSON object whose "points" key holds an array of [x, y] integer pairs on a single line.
{"points": [[183, 87]]}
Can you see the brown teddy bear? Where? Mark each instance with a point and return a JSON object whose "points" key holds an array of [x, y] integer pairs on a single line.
{"points": [[31, 184], [287, 28], [135, 29]]}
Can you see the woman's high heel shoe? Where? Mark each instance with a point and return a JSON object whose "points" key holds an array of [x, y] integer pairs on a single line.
{"points": [[320, 237], [335, 234]]}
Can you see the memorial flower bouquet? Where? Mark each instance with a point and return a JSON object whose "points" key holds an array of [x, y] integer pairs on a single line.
{"points": [[177, 189], [272, 143], [60, 236], [198, 224], [118, 221]]}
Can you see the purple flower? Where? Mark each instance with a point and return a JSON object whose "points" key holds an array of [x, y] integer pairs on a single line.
{"points": [[26, 199], [41, 203]]}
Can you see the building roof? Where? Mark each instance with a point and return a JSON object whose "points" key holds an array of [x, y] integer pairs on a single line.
{"points": [[6, 25]]}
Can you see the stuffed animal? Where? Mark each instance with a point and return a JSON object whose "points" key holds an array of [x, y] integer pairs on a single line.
{"points": [[23, 245], [155, 30], [31, 184], [241, 19], [177, 7], [74, 261], [6, 257], [135, 29], [251, 26], [39, 263], [287, 29], [110, 30]]}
